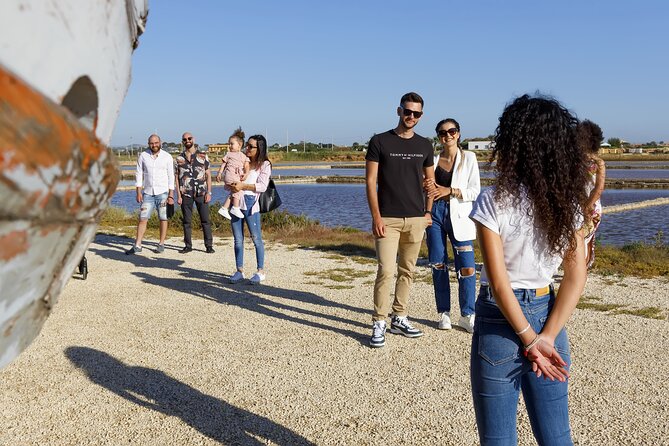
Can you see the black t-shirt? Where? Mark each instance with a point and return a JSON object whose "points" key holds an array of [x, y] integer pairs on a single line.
{"points": [[400, 180]]}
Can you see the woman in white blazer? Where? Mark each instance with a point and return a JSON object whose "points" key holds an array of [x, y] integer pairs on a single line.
{"points": [[455, 188]]}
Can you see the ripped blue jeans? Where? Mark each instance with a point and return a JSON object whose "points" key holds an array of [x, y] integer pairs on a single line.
{"points": [[437, 235]]}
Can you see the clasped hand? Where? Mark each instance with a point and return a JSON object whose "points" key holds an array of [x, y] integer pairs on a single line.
{"points": [[547, 361], [434, 190]]}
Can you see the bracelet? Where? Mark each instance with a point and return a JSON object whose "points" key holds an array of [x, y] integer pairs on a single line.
{"points": [[524, 329], [529, 346]]}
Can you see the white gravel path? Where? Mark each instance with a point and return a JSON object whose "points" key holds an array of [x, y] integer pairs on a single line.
{"points": [[158, 349]]}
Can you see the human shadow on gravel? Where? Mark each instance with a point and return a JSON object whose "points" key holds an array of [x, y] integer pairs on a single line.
{"points": [[156, 390], [215, 287]]}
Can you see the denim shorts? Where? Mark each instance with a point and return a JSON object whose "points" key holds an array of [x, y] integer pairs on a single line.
{"points": [[151, 202]]}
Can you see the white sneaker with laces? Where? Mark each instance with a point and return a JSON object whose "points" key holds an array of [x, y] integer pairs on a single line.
{"points": [[236, 277], [401, 325], [467, 322], [236, 212], [444, 321], [257, 278], [225, 213], [378, 338]]}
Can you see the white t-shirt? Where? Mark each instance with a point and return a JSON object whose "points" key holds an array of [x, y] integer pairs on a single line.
{"points": [[528, 261]]}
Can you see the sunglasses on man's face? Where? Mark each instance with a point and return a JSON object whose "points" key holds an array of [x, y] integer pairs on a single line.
{"points": [[187, 139], [407, 112], [452, 131]]}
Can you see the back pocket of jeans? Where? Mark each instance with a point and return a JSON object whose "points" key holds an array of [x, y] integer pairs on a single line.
{"points": [[497, 344]]}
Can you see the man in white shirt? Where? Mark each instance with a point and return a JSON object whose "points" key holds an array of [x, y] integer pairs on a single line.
{"points": [[155, 189]]}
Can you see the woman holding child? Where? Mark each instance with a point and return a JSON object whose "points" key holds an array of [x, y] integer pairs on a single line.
{"points": [[255, 182], [455, 187]]}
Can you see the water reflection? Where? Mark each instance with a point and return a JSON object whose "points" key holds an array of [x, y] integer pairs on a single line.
{"points": [[346, 205]]}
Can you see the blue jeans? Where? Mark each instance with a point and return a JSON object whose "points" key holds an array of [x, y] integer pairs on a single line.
{"points": [[253, 223], [438, 256], [151, 202], [499, 371]]}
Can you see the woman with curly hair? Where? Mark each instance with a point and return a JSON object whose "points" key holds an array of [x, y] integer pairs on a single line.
{"points": [[528, 224], [454, 188], [589, 137]]}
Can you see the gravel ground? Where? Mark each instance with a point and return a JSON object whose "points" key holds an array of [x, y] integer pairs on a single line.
{"points": [[158, 349]]}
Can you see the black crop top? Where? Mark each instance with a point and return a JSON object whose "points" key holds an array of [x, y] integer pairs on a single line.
{"points": [[443, 177]]}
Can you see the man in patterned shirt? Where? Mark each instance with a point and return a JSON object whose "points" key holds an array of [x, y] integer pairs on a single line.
{"points": [[193, 179]]}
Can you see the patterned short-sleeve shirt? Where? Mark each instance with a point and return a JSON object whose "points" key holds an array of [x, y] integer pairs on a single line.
{"points": [[192, 175]]}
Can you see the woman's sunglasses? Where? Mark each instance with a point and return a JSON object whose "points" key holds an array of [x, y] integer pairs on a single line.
{"points": [[452, 131]]}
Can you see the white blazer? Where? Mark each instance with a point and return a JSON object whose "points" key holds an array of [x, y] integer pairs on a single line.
{"points": [[466, 179]]}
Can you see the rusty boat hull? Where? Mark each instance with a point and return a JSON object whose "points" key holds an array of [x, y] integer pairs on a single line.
{"points": [[58, 174]]}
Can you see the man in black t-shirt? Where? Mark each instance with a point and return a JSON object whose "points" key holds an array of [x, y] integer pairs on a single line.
{"points": [[397, 161], [193, 180]]}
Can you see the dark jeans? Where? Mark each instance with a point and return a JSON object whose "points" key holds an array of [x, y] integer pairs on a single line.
{"points": [[203, 210]]}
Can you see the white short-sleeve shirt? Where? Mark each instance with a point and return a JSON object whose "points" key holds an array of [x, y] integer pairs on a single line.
{"points": [[529, 263]]}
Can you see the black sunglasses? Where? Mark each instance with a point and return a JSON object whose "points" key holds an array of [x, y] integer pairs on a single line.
{"points": [[452, 131], [249, 146], [407, 112], [187, 139]]}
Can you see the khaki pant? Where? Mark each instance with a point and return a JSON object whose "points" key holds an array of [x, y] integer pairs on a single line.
{"points": [[401, 243]]}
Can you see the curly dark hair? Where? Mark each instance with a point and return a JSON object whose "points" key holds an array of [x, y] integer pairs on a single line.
{"points": [[536, 153], [589, 136]]}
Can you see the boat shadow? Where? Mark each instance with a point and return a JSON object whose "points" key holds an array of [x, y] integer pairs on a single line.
{"points": [[154, 389]]}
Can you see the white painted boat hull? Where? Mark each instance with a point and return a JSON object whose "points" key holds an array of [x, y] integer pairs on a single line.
{"points": [[64, 72]]}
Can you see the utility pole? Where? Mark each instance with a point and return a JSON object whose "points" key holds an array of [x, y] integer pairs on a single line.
{"points": [[286, 141]]}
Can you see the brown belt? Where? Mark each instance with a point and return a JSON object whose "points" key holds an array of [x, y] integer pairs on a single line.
{"points": [[542, 291], [537, 291]]}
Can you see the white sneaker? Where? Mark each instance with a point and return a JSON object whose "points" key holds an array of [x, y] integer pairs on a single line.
{"points": [[236, 277], [444, 321], [224, 212], [236, 212], [257, 278], [378, 338], [467, 322]]}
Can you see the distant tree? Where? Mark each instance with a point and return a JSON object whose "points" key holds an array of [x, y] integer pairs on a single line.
{"points": [[355, 145], [614, 142]]}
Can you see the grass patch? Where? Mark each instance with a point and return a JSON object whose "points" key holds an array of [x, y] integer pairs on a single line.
{"points": [[647, 312], [590, 303], [364, 260], [637, 259], [338, 274], [596, 306], [298, 231], [339, 287]]}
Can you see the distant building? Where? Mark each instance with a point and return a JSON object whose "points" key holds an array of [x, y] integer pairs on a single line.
{"points": [[636, 150], [219, 148], [479, 145]]}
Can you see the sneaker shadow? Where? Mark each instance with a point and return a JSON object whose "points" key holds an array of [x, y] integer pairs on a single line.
{"points": [[158, 391], [263, 299]]}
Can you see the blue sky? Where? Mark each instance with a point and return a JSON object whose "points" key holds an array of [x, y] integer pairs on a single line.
{"points": [[334, 71]]}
